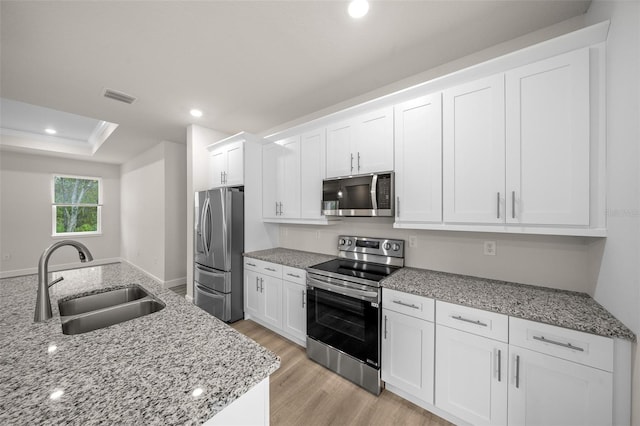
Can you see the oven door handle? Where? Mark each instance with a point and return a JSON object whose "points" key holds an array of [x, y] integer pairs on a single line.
{"points": [[371, 296]]}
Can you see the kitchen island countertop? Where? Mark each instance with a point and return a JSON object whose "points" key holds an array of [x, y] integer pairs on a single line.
{"points": [[142, 371]]}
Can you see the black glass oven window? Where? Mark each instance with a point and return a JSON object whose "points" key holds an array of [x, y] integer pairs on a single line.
{"points": [[345, 323]]}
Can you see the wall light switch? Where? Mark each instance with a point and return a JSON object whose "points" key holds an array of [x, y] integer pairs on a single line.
{"points": [[413, 241], [489, 248]]}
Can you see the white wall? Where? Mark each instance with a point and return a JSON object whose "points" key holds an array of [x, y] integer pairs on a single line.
{"points": [[26, 216], [154, 212], [616, 260]]}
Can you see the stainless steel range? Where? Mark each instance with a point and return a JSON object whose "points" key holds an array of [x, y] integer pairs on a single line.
{"points": [[343, 307]]}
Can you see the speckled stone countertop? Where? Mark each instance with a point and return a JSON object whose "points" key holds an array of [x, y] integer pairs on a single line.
{"points": [[577, 311], [289, 257], [141, 371]]}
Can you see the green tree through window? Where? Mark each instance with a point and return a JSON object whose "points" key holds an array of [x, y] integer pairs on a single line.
{"points": [[76, 204]]}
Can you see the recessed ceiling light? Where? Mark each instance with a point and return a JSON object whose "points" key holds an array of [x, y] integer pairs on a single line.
{"points": [[50, 131], [196, 113], [358, 8]]}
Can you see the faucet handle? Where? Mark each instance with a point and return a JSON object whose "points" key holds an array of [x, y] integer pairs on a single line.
{"points": [[56, 281]]}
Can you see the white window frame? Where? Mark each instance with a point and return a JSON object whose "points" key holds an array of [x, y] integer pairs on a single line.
{"points": [[54, 232]]}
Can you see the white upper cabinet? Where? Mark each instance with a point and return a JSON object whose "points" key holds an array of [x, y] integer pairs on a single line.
{"points": [[281, 179], [547, 128], [226, 164], [473, 152], [418, 160], [312, 170], [363, 144]]}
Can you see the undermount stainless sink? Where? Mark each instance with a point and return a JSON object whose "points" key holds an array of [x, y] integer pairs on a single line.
{"points": [[95, 311]]}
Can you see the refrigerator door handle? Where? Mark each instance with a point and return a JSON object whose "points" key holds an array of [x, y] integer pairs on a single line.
{"points": [[225, 202], [206, 226]]}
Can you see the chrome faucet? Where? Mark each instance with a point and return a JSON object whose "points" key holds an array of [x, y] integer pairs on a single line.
{"points": [[43, 301]]}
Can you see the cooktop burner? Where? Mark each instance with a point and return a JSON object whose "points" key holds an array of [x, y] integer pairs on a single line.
{"points": [[356, 269]]}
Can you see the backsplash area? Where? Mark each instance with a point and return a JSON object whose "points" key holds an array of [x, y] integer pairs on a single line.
{"points": [[549, 261]]}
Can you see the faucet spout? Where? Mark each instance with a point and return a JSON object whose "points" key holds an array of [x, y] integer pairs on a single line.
{"points": [[43, 301]]}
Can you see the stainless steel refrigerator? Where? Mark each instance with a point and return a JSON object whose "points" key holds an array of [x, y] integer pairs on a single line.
{"points": [[218, 248]]}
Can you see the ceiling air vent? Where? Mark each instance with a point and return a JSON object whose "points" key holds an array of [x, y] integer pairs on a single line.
{"points": [[119, 96]]}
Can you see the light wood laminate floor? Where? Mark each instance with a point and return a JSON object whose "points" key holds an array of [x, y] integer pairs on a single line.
{"points": [[305, 393]]}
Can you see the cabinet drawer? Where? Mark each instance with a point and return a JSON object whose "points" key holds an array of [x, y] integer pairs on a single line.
{"points": [[409, 304], [267, 268], [295, 275], [572, 345], [476, 321]]}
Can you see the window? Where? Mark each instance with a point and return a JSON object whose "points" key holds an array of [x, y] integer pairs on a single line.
{"points": [[76, 205]]}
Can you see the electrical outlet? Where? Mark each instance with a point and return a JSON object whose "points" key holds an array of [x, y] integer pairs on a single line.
{"points": [[413, 241], [490, 248]]}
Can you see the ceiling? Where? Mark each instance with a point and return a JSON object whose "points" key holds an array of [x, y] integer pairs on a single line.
{"points": [[248, 65]]}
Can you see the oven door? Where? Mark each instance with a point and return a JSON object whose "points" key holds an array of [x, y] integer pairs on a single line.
{"points": [[345, 318]]}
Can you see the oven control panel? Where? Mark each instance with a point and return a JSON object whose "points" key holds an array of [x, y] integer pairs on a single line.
{"points": [[373, 246]]}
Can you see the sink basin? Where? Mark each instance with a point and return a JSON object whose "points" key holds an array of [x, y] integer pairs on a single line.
{"points": [[93, 302], [87, 313]]}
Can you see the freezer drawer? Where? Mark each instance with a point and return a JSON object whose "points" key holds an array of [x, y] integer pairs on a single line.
{"points": [[219, 281], [217, 304]]}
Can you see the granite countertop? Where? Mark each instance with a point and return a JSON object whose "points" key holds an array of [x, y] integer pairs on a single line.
{"points": [[573, 310], [141, 371], [289, 257]]}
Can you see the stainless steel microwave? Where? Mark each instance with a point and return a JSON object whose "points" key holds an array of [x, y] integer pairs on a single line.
{"points": [[366, 195]]}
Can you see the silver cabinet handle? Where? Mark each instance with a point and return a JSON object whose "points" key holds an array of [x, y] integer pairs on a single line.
{"points": [[280, 203], [498, 205], [358, 160], [513, 204], [257, 286], [499, 365], [293, 275], [261, 285], [397, 206], [517, 371], [221, 177], [304, 296], [385, 327], [351, 162], [477, 322], [251, 264], [408, 305], [276, 208], [553, 342], [270, 269]]}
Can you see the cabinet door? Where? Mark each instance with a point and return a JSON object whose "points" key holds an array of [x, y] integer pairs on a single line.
{"points": [[372, 147], [418, 159], [271, 295], [473, 152], [217, 165], [294, 312], [252, 292], [340, 161], [235, 164], [471, 376], [312, 171], [408, 354], [270, 207], [548, 391], [289, 177], [548, 141]]}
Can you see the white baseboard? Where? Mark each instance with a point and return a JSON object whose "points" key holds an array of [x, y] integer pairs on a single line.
{"points": [[163, 283], [60, 267]]}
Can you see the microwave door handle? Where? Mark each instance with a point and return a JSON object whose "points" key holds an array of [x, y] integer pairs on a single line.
{"points": [[374, 192]]}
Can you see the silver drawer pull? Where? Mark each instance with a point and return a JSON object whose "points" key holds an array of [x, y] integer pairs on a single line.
{"points": [[270, 269], [459, 318], [408, 305], [553, 342], [293, 275], [250, 264]]}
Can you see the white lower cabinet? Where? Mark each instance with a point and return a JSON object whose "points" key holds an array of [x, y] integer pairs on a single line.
{"points": [[274, 296], [559, 376], [471, 376]]}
